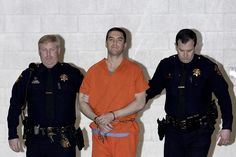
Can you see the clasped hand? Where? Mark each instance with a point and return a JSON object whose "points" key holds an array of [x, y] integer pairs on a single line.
{"points": [[104, 122]]}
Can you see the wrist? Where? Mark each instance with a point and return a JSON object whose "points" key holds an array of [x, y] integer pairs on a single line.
{"points": [[95, 118], [113, 114]]}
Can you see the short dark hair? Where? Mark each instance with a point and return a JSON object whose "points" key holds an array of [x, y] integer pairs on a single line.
{"points": [[185, 35], [116, 29]]}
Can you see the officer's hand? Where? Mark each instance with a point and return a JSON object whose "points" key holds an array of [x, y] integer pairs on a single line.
{"points": [[85, 98], [15, 144], [223, 137]]}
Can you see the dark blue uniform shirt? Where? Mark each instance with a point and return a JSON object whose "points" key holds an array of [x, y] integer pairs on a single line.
{"points": [[202, 78], [66, 81]]}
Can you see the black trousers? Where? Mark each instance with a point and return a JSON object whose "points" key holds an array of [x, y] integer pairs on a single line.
{"points": [[182, 143], [41, 146]]}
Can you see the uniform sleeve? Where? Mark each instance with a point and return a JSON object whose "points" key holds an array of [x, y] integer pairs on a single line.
{"points": [[220, 89], [79, 80], [17, 100], [157, 83]]}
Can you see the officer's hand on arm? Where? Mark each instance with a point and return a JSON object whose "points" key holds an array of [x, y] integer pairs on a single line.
{"points": [[85, 98], [223, 137], [84, 106], [135, 106], [15, 144], [87, 111]]}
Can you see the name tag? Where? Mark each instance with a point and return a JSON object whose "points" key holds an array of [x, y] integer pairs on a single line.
{"points": [[48, 92]]}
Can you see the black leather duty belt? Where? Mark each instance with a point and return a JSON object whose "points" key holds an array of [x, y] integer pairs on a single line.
{"points": [[188, 123], [37, 130]]}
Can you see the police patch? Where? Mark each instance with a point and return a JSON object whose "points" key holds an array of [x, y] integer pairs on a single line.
{"points": [[64, 77], [196, 72]]}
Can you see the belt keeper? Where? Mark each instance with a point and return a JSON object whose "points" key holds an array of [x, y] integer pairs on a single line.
{"points": [[114, 116]]}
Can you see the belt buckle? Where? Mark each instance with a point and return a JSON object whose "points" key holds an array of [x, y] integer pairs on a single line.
{"points": [[183, 124], [51, 133], [36, 129]]}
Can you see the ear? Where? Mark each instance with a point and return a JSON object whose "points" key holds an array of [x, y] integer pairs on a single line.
{"points": [[59, 50], [39, 52], [176, 46], [106, 44], [125, 46]]}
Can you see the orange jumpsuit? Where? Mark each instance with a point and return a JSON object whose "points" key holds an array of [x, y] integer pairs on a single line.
{"points": [[110, 92]]}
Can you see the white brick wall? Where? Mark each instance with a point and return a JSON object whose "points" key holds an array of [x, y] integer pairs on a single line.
{"points": [[83, 24]]}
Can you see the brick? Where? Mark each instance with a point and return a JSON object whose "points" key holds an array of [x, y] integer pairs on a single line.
{"points": [[11, 7], [16, 43], [219, 6], [95, 23], [59, 23], [41, 7], [150, 7], [22, 23], [183, 6], [230, 22], [78, 6], [228, 40], [213, 41], [203, 22]]}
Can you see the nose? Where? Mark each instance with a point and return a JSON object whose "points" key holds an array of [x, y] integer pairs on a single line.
{"points": [[48, 53], [185, 53], [115, 42]]}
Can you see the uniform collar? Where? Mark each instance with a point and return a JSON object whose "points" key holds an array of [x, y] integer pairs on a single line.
{"points": [[51, 69], [187, 64]]}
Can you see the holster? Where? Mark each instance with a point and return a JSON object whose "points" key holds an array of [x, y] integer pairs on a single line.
{"points": [[161, 128], [68, 136], [26, 127], [79, 138]]}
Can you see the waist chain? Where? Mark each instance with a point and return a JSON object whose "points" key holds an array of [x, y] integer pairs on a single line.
{"points": [[124, 120]]}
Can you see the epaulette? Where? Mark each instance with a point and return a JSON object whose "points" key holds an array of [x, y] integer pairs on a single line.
{"points": [[173, 56], [33, 66], [63, 64], [198, 56]]}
